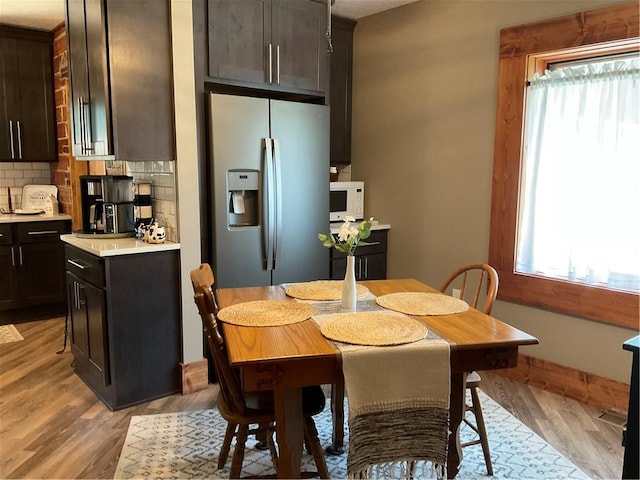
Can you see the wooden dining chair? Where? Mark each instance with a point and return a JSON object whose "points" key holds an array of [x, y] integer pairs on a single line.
{"points": [[240, 409], [477, 284]]}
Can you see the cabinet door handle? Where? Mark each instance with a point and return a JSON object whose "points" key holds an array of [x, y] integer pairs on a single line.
{"points": [[81, 124], [80, 300], [278, 64], [359, 268], [42, 232], [270, 61], [13, 151], [20, 252], [76, 295], [19, 140], [76, 264], [366, 267], [13, 257], [372, 243], [86, 107]]}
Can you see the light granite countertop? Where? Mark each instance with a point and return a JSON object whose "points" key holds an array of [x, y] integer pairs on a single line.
{"points": [[14, 218], [109, 247]]}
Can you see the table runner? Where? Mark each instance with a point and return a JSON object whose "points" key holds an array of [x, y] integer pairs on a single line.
{"points": [[398, 402]]}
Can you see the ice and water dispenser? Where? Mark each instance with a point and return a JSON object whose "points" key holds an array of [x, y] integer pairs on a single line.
{"points": [[242, 194]]}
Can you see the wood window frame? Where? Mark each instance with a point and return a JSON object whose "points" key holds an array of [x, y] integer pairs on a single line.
{"points": [[523, 49]]}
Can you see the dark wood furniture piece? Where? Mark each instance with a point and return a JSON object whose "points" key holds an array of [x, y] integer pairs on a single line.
{"points": [[119, 111], [32, 283], [285, 359], [631, 463], [341, 66], [124, 312], [241, 409], [370, 260], [27, 118], [275, 45], [477, 284]]}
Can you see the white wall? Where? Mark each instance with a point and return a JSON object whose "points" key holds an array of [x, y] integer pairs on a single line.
{"points": [[424, 103], [187, 181]]}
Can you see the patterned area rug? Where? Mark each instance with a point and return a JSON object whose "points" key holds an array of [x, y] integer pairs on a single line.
{"points": [[185, 445], [9, 333]]}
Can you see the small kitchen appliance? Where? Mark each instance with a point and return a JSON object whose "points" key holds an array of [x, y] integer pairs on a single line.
{"points": [[346, 199], [107, 204]]}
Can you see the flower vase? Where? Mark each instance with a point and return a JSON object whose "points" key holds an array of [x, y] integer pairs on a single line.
{"points": [[349, 285]]}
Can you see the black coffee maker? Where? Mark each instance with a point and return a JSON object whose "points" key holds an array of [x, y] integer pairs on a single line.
{"points": [[107, 204]]}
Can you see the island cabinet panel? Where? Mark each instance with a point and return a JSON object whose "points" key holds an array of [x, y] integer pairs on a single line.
{"points": [[32, 261], [275, 45], [125, 324], [27, 111], [370, 262], [120, 59]]}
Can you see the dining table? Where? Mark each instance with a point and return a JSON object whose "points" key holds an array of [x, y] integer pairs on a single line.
{"points": [[286, 358]]}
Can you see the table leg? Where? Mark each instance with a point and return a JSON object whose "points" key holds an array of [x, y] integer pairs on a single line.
{"points": [[456, 413], [337, 413], [289, 431]]}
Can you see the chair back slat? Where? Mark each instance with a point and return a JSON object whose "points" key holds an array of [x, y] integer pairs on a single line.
{"points": [[207, 308], [481, 279]]}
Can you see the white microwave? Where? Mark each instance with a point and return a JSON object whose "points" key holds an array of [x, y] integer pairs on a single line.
{"points": [[346, 199]]}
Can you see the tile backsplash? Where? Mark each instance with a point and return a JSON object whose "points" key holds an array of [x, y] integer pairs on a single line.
{"points": [[163, 189], [16, 175]]}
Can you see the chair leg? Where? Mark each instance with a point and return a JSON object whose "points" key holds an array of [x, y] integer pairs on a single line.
{"points": [[226, 445], [311, 435], [272, 450], [482, 431], [337, 412], [238, 452]]}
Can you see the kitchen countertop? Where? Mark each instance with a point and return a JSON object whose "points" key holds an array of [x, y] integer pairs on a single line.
{"points": [[335, 227], [109, 247], [13, 218]]}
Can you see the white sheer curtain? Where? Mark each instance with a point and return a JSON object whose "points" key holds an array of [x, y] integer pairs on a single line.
{"points": [[579, 212]]}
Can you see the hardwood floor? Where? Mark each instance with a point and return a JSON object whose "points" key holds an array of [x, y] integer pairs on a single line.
{"points": [[52, 426]]}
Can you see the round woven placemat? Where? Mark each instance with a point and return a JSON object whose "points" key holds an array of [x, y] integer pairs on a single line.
{"points": [[420, 303], [375, 329], [266, 313], [321, 290]]}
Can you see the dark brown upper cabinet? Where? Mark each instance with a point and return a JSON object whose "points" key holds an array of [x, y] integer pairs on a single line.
{"points": [[120, 57], [27, 111], [269, 44], [340, 89]]}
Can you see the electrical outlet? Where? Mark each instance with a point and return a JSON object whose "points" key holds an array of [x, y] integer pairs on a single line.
{"points": [[456, 292]]}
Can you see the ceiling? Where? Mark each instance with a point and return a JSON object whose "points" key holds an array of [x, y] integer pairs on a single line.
{"points": [[48, 14]]}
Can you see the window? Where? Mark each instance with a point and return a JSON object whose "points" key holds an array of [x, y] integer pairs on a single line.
{"points": [[532, 235]]}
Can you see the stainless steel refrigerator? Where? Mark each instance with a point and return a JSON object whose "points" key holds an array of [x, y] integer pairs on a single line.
{"points": [[269, 163]]}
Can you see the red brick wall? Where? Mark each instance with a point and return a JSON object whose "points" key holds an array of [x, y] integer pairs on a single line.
{"points": [[61, 171], [65, 173]]}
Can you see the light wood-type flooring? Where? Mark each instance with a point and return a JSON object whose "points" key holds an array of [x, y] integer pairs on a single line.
{"points": [[52, 426]]}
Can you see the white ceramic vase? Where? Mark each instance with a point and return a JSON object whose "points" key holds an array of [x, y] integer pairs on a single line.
{"points": [[349, 285]]}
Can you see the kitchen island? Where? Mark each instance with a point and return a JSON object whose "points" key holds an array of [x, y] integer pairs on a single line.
{"points": [[124, 313]]}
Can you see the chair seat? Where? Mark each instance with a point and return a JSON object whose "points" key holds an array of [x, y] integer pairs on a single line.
{"points": [[313, 401]]}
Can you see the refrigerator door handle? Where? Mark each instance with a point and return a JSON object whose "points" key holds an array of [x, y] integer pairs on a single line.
{"points": [[268, 230], [278, 201]]}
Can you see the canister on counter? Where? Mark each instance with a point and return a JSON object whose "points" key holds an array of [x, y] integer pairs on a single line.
{"points": [[143, 211]]}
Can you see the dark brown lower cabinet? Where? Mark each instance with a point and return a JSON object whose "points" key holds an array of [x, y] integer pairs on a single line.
{"points": [[124, 314], [370, 261], [32, 263]]}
